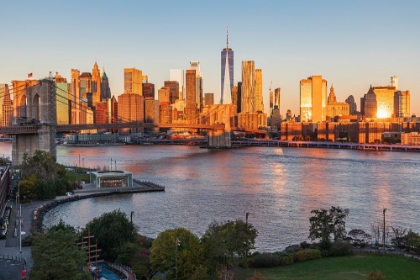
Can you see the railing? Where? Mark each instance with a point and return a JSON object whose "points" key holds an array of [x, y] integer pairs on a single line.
{"points": [[13, 257], [125, 270]]}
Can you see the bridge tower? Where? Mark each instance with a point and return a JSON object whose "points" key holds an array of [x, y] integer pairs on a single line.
{"points": [[34, 105], [221, 138]]}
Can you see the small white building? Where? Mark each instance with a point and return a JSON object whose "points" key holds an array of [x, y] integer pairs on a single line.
{"points": [[111, 179]]}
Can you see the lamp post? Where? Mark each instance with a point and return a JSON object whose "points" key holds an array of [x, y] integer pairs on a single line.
{"points": [[131, 217], [246, 224], [176, 257], [384, 232]]}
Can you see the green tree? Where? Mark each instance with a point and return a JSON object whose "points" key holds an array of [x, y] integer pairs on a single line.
{"points": [[111, 230], [28, 187], [43, 165], [177, 250], [57, 256], [225, 242], [326, 223]]}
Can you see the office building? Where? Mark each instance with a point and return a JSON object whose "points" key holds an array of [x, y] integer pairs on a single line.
{"points": [[130, 107], [385, 100], [208, 99], [368, 104], [148, 91], [133, 79], [394, 82], [85, 85], [105, 89], [173, 90], [6, 113], [101, 112], [313, 99], [352, 103], [227, 64], [277, 97], [248, 82], [195, 65], [62, 102], [402, 104], [96, 84], [178, 76], [151, 111], [259, 102], [190, 99]]}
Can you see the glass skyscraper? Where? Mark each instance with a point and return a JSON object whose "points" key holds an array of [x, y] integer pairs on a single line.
{"points": [[227, 76]]}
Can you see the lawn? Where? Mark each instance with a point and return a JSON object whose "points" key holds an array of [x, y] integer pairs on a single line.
{"points": [[342, 268]]}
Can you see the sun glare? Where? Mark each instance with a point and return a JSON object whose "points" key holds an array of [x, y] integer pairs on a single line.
{"points": [[381, 114]]}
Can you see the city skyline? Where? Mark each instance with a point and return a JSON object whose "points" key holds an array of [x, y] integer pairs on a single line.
{"points": [[350, 44]]}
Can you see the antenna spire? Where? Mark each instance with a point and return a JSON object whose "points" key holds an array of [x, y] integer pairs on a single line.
{"points": [[227, 38]]}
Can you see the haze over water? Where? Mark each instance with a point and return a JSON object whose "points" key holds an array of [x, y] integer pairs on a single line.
{"points": [[277, 186]]}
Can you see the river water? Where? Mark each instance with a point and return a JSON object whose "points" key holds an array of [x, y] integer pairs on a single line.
{"points": [[278, 187]]}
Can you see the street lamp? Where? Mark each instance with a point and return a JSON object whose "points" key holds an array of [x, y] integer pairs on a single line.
{"points": [[131, 217], [384, 231], [176, 257]]}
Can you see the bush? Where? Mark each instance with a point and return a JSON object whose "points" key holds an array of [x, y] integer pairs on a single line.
{"points": [[304, 245], [340, 249], [308, 254], [377, 275], [266, 260], [285, 260]]}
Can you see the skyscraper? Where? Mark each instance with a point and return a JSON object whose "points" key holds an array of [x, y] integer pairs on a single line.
{"points": [[105, 90], [313, 99], [227, 73], [402, 104], [178, 76], [259, 103], [173, 90], [248, 82], [190, 99], [133, 79], [96, 84], [195, 65], [75, 96]]}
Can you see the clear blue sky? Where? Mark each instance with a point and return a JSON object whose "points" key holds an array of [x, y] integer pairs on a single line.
{"points": [[352, 44]]}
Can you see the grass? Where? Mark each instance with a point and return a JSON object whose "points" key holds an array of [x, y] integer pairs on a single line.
{"points": [[73, 176], [342, 268]]}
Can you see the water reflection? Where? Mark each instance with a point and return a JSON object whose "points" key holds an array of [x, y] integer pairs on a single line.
{"points": [[278, 187]]}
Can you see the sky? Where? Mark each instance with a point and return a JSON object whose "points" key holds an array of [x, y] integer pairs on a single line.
{"points": [[352, 44]]}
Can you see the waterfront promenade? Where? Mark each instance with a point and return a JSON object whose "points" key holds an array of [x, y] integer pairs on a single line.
{"points": [[10, 248]]}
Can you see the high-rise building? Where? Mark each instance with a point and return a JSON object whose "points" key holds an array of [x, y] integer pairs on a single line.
{"points": [[62, 102], [208, 99], [151, 110], [369, 104], [313, 99], [227, 73], [85, 84], [178, 75], [239, 98], [105, 89], [195, 65], [173, 90], [259, 102], [402, 104], [131, 107], [235, 97], [75, 97], [149, 91], [164, 95], [96, 84], [133, 81], [385, 101], [190, 100], [101, 112], [352, 103], [277, 97], [248, 82]]}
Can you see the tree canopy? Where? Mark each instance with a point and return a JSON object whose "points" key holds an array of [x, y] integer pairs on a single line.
{"points": [[326, 223], [111, 231], [43, 165], [226, 241], [177, 250], [57, 256]]}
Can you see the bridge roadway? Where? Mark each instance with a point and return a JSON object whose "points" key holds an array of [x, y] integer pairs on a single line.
{"points": [[33, 129]]}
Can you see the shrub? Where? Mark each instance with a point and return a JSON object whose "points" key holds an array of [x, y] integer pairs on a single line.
{"points": [[266, 260], [308, 254], [285, 260], [340, 249], [305, 245], [377, 275]]}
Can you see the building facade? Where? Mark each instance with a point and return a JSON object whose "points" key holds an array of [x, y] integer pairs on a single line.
{"points": [[248, 87], [227, 67], [133, 80], [313, 99]]}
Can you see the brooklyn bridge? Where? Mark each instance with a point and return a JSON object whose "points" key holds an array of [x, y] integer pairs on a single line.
{"points": [[34, 122]]}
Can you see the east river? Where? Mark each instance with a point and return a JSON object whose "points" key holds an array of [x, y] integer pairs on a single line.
{"points": [[278, 187]]}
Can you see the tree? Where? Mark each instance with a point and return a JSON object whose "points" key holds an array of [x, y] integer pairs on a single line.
{"points": [[225, 242], [28, 187], [177, 251], [43, 165], [325, 223], [111, 231], [399, 233], [57, 256]]}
